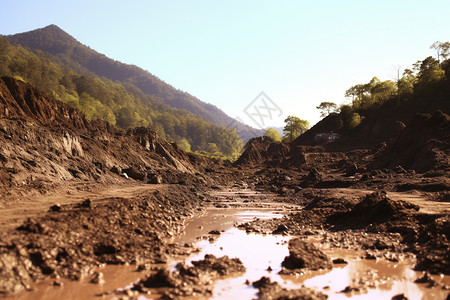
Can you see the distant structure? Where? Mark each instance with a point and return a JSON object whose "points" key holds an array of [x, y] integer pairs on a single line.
{"points": [[326, 137]]}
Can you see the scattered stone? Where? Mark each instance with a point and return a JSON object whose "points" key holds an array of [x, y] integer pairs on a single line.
{"points": [[215, 232], [154, 178], [57, 282], [399, 297], [190, 280], [425, 278], [338, 261], [350, 290], [268, 290], [85, 204], [55, 208], [97, 278], [280, 229], [303, 254]]}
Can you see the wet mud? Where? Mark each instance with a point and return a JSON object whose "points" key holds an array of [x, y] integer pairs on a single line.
{"points": [[359, 217]]}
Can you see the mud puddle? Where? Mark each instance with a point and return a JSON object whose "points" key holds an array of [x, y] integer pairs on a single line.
{"points": [[215, 233], [113, 275], [262, 255]]}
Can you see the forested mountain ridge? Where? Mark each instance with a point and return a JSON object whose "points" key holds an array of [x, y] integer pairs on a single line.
{"points": [[66, 76], [68, 51]]}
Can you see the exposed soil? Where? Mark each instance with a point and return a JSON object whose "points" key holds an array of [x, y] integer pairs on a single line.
{"points": [[76, 194]]}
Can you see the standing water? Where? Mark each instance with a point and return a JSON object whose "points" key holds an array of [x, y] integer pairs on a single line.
{"points": [[262, 255]]}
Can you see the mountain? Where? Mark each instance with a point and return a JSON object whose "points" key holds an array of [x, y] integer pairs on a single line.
{"points": [[66, 50]]}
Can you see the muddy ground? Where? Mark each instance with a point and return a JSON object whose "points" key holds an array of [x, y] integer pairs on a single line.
{"points": [[77, 194]]}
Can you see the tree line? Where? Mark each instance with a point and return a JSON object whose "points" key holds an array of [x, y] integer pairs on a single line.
{"points": [[424, 87]]}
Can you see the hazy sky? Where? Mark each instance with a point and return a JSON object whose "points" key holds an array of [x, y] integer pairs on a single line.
{"points": [[299, 53]]}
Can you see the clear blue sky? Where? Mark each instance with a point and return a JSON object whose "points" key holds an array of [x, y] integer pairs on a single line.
{"points": [[299, 53]]}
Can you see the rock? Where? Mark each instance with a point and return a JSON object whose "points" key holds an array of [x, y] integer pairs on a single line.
{"points": [[85, 204], [116, 170], [425, 278], [313, 178], [215, 232], [280, 229], [33, 226], [273, 290], [338, 261], [303, 254], [135, 174], [55, 208], [57, 282], [222, 265], [97, 278], [351, 169], [350, 290], [399, 297], [154, 178]]}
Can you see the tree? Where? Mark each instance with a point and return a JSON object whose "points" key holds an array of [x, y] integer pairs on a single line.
{"points": [[350, 118], [212, 148], [184, 145], [442, 50], [429, 72], [294, 127], [405, 84], [273, 134], [326, 108]]}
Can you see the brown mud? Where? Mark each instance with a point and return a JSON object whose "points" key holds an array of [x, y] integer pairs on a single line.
{"points": [[76, 195]]}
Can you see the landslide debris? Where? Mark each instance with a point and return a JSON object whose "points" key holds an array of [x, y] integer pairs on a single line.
{"points": [[192, 280], [45, 142], [69, 243], [375, 208], [304, 255], [268, 290], [422, 146]]}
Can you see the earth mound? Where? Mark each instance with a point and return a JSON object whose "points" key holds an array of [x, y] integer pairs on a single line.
{"points": [[422, 146], [375, 208], [262, 149]]}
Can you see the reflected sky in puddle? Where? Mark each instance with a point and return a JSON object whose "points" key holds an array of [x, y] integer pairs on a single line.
{"points": [[257, 252]]}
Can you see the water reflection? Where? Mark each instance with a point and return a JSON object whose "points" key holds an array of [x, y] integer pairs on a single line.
{"points": [[378, 279]]}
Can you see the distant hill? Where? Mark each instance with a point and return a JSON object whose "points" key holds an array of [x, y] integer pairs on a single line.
{"points": [[60, 46]]}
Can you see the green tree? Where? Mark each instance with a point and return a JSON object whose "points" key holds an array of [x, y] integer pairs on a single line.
{"points": [[406, 83], [212, 148], [273, 134], [326, 108], [350, 118], [429, 72], [294, 127], [184, 145]]}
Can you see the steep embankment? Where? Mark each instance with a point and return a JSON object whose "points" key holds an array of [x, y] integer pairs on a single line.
{"points": [[422, 146], [45, 142]]}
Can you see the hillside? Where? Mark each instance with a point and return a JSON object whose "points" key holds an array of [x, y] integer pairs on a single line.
{"points": [[64, 49], [46, 142]]}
